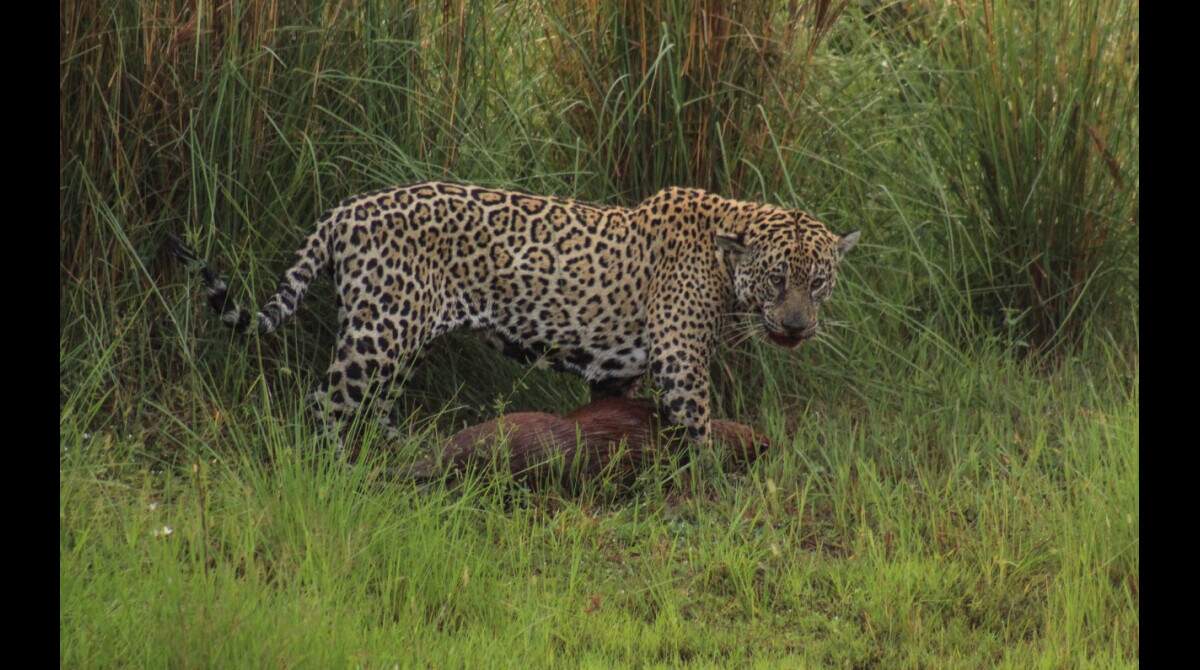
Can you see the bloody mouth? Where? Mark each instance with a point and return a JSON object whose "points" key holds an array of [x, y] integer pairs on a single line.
{"points": [[784, 340]]}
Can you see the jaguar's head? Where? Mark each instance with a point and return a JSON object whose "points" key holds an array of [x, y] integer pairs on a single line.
{"points": [[783, 268]]}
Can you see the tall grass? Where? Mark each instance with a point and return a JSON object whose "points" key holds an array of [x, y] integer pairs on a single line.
{"points": [[685, 93], [934, 500], [1044, 105]]}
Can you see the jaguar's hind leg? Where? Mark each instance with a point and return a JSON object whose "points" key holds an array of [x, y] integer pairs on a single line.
{"points": [[368, 364]]}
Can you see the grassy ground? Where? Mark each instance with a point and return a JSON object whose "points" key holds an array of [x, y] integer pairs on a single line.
{"points": [[991, 519], [956, 481]]}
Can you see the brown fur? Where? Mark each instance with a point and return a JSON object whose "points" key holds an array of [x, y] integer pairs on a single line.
{"points": [[614, 436]]}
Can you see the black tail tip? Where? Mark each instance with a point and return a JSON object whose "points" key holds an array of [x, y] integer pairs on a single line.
{"points": [[218, 300], [181, 250]]}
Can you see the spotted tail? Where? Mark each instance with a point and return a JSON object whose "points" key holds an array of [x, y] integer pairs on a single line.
{"points": [[313, 257]]}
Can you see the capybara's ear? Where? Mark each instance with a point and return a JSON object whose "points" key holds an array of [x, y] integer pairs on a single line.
{"points": [[742, 443]]}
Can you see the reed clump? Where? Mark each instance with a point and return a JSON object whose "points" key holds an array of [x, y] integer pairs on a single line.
{"points": [[684, 93], [1042, 99]]}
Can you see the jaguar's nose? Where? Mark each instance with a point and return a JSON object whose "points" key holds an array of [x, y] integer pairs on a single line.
{"points": [[798, 327]]}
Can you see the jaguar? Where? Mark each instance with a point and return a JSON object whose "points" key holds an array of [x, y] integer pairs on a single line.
{"points": [[611, 293]]}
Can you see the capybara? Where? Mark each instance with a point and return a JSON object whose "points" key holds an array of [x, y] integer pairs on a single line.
{"points": [[614, 436]]}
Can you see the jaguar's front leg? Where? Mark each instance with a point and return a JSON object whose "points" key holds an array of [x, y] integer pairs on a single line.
{"points": [[683, 401]]}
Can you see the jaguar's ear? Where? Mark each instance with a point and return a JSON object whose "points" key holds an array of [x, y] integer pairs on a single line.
{"points": [[846, 242], [734, 245]]}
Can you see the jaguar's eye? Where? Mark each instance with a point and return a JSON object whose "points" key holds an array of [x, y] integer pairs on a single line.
{"points": [[780, 283], [817, 284]]}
